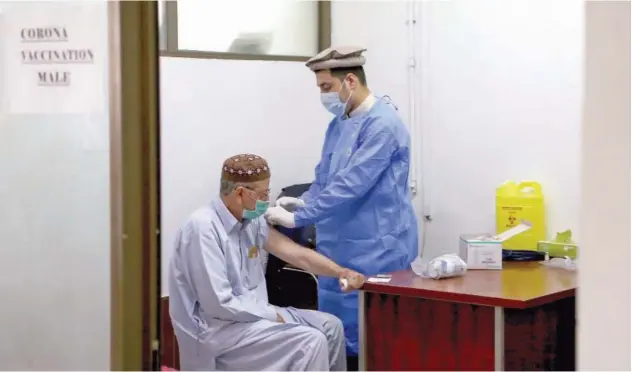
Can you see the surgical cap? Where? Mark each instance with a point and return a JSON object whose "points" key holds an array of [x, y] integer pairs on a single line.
{"points": [[245, 168], [341, 57]]}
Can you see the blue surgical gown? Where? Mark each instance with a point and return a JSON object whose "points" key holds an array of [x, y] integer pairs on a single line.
{"points": [[361, 205]]}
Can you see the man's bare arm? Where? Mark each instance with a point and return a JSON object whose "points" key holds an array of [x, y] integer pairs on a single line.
{"points": [[301, 257]]}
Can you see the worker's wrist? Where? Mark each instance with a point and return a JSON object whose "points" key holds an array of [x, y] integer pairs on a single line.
{"points": [[299, 219]]}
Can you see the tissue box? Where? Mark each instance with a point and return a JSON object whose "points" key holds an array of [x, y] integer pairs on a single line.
{"points": [[481, 254], [485, 252]]}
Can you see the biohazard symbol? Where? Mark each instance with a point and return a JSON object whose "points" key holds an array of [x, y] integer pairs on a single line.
{"points": [[512, 220]]}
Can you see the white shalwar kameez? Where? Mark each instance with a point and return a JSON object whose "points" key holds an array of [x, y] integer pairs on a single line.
{"points": [[218, 303]]}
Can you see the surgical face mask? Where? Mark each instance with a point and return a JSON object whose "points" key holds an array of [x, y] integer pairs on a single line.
{"points": [[260, 208], [332, 103]]}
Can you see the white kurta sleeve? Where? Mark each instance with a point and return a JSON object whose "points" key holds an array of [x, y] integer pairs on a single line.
{"points": [[210, 282]]}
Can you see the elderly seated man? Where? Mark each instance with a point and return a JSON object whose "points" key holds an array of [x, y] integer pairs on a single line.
{"points": [[218, 300]]}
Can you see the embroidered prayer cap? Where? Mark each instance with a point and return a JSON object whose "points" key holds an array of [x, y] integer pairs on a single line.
{"points": [[340, 57], [245, 168]]}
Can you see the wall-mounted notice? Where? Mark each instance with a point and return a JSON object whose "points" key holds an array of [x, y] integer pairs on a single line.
{"points": [[55, 57]]}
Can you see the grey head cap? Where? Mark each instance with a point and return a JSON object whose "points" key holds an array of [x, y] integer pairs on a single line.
{"points": [[340, 57]]}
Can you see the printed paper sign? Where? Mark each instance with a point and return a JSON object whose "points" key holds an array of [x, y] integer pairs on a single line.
{"points": [[55, 57]]}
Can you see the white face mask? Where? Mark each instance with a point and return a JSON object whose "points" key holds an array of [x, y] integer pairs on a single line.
{"points": [[332, 102]]}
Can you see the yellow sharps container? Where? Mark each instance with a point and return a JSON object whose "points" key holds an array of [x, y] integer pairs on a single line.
{"points": [[516, 202]]}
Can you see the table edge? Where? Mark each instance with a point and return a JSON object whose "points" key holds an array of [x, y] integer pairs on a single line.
{"points": [[385, 288]]}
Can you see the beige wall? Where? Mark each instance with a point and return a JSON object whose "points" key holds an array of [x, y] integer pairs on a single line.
{"points": [[604, 298]]}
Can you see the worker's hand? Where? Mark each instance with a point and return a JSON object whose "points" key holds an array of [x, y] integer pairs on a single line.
{"points": [[289, 203], [280, 319], [351, 280], [279, 216]]}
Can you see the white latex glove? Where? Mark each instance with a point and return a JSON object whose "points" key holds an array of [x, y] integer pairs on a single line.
{"points": [[279, 216], [289, 202]]}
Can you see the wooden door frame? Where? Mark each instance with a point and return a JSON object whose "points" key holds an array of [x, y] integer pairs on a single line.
{"points": [[135, 185]]}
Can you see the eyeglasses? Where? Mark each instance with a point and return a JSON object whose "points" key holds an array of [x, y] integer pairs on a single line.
{"points": [[262, 193]]}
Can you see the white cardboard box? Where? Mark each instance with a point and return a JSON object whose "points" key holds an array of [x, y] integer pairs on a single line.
{"points": [[484, 251]]}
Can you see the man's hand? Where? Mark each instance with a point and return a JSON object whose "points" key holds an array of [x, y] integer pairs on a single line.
{"points": [[280, 318], [351, 280], [289, 203], [279, 216]]}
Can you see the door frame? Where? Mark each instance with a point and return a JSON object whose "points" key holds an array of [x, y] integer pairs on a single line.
{"points": [[135, 185]]}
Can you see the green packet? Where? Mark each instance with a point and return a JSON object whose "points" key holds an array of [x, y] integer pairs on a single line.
{"points": [[562, 246]]}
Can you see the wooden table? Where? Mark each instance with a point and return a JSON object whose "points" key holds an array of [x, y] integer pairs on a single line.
{"points": [[519, 318]]}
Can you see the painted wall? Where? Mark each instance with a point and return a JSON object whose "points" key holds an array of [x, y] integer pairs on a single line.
{"points": [[501, 101]]}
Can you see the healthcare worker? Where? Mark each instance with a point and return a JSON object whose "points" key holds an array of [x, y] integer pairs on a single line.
{"points": [[218, 300], [360, 200]]}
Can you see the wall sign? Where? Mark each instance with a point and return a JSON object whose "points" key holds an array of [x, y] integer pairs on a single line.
{"points": [[55, 57]]}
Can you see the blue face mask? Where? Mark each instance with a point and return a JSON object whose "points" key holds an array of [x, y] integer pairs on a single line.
{"points": [[260, 208], [332, 103]]}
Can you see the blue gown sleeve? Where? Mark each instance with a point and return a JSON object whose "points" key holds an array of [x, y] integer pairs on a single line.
{"points": [[211, 284], [314, 188], [317, 186], [349, 184]]}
